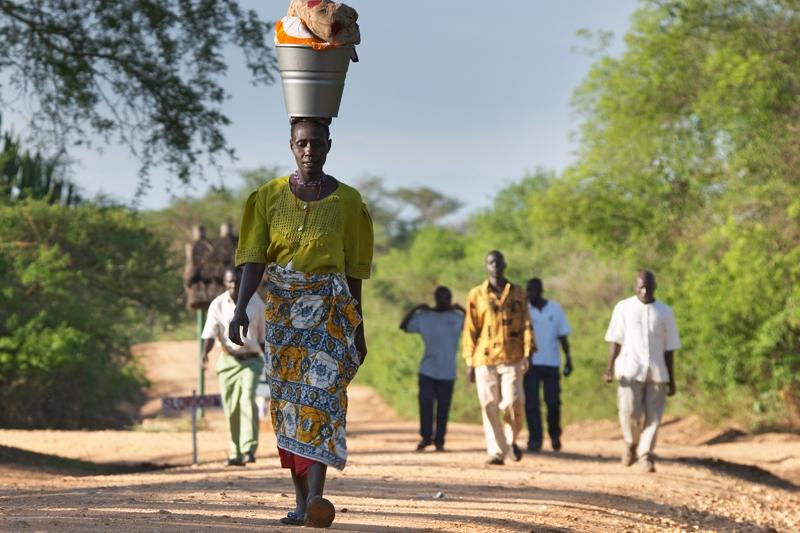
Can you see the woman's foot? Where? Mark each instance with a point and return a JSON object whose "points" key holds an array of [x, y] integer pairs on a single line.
{"points": [[320, 512], [293, 519]]}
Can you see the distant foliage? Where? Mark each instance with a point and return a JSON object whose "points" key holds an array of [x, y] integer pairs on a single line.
{"points": [[688, 164], [399, 213], [440, 255], [78, 286]]}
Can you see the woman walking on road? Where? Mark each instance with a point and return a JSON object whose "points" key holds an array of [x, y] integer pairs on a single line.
{"points": [[311, 235]]}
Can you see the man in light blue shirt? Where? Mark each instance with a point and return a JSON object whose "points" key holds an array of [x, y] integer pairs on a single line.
{"points": [[550, 327], [440, 328]]}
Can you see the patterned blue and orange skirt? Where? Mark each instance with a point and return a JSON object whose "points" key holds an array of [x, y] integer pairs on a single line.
{"points": [[311, 321]]}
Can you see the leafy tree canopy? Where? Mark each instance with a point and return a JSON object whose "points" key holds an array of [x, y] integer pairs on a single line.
{"points": [[144, 73], [689, 163], [699, 120]]}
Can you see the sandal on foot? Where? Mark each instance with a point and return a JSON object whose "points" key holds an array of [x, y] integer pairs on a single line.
{"points": [[320, 512], [292, 519]]}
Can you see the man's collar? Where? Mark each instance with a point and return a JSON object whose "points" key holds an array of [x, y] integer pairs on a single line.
{"points": [[546, 301], [503, 294]]}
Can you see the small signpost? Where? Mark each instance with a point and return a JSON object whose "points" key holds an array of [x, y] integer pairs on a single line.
{"points": [[193, 402]]}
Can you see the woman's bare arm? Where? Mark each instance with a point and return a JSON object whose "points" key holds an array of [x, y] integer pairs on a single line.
{"points": [[251, 279]]}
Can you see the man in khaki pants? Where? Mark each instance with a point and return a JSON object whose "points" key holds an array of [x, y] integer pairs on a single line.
{"points": [[496, 344], [238, 367], [643, 338]]}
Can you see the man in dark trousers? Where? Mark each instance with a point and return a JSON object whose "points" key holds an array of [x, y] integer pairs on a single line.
{"points": [[550, 324], [440, 327]]}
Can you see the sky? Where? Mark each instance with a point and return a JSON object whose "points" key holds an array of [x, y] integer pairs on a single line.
{"points": [[454, 95]]}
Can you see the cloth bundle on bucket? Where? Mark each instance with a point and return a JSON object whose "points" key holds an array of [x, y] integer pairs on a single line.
{"points": [[291, 30], [330, 21]]}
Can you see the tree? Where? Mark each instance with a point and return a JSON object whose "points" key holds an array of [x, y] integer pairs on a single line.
{"points": [[399, 213], [79, 286], [145, 73], [430, 205], [26, 175], [688, 163]]}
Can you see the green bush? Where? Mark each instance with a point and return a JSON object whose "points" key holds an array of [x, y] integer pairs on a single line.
{"points": [[79, 286]]}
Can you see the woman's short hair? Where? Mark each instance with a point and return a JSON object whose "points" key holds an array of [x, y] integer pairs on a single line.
{"points": [[323, 122]]}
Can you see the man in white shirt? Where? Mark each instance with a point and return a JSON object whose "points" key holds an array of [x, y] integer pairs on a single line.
{"points": [[238, 367], [643, 338], [550, 327]]}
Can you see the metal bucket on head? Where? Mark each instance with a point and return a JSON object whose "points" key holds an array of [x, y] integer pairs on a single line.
{"points": [[313, 81]]}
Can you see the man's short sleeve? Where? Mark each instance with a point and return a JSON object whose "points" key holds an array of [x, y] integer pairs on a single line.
{"points": [[413, 325], [673, 340], [460, 320], [563, 323], [211, 329], [472, 327], [616, 328]]}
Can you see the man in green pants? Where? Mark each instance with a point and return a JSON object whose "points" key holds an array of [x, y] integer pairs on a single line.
{"points": [[238, 367]]}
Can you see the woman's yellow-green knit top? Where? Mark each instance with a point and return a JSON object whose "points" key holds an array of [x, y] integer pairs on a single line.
{"points": [[333, 234]]}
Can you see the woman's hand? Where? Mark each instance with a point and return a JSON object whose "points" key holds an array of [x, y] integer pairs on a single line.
{"points": [[354, 286], [361, 343], [239, 323]]}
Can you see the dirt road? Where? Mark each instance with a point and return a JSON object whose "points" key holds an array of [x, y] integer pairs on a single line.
{"points": [[65, 481]]}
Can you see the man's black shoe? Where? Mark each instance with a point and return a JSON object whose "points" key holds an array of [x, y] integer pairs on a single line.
{"points": [[250, 457], [439, 447], [534, 449], [423, 444], [516, 453], [234, 461], [556, 444]]}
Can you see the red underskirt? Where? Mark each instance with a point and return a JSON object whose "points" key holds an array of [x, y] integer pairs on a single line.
{"points": [[296, 463]]}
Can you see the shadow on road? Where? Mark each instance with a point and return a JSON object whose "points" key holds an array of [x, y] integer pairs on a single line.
{"points": [[40, 462], [750, 473]]}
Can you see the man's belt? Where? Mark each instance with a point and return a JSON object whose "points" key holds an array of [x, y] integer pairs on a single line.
{"points": [[246, 355]]}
